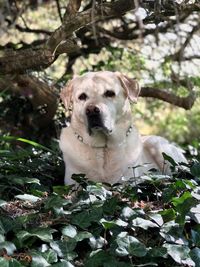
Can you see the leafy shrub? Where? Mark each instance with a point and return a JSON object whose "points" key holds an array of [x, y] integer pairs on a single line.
{"points": [[152, 223]]}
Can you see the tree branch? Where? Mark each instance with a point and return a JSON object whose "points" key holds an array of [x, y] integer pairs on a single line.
{"points": [[178, 56], [21, 61], [183, 102], [27, 29], [59, 9], [46, 54]]}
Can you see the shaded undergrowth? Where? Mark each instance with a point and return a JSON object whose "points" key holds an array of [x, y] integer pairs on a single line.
{"points": [[43, 223]]}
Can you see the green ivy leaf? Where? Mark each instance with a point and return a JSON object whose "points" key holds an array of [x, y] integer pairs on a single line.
{"points": [[9, 263], [195, 255], [8, 246], [195, 169], [64, 248], [156, 217], [82, 235], [86, 217], [168, 214], [44, 234], [179, 253], [172, 232], [55, 201], [63, 263], [170, 159], [110, 205], [28, 197], [195, 237], [98, 190], [179, 201], [39, 261], [19, 180], [100, 258], [8, 224], [69, 231], [158, 252], [32, 143], [195, 213], [2, 202], [129, 245], [127, 212], [97, 243], [108, 224], [2, 238], [111, 224], [50, 255], [183, 205], [142, 223], [61, 189]]}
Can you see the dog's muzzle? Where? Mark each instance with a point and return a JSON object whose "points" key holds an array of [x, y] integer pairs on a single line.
{"points": [[94, 119]]}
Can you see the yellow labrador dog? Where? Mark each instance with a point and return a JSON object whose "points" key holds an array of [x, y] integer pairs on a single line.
{"points": [[102, 141]]}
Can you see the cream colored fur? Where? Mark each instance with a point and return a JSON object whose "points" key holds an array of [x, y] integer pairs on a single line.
{"points": [[109, 155]]}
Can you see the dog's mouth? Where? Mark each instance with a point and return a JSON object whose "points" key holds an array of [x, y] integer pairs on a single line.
{"points": [[95, 121], [96, 124]]}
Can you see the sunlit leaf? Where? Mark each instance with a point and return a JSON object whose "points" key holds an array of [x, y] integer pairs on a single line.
{"points": [[28, 197], [8, 246], [39, 261], [130, 245], [44, 234], [142, 223], [2, 202], [32, 143], [179, 254], [97, 243], [64, 248], [63, 263], [82, 235], [69, 230]]}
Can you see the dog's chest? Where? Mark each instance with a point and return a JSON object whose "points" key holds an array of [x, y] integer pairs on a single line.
{"points": [[99, 164], [103, 164]]}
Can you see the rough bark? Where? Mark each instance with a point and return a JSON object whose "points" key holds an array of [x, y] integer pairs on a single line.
{"points": [[61, 40], [183, 102], [42, 96]]}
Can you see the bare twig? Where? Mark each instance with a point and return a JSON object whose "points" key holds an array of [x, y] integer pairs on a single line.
{"points": [[59, 9], [27, 29], [179, 55]]}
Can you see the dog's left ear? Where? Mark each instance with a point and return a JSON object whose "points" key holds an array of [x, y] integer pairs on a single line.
{"points": [[131, 86], [66, 95]]}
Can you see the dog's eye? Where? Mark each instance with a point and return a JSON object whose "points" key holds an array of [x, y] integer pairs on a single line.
{"points": [[109, 93], [83, 97]]}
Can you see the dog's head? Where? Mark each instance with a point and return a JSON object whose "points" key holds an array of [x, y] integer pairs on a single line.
{"points": [[99, 99]]}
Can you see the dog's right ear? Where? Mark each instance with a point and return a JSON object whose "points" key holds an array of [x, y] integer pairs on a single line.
{"points": [[66, 94], [131, 86]]}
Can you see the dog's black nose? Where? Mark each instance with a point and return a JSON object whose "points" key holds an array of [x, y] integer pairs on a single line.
{"points": [[92, 110]]}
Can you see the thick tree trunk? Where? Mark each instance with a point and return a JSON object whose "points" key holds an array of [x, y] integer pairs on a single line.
{"points": [[43, 98]]}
